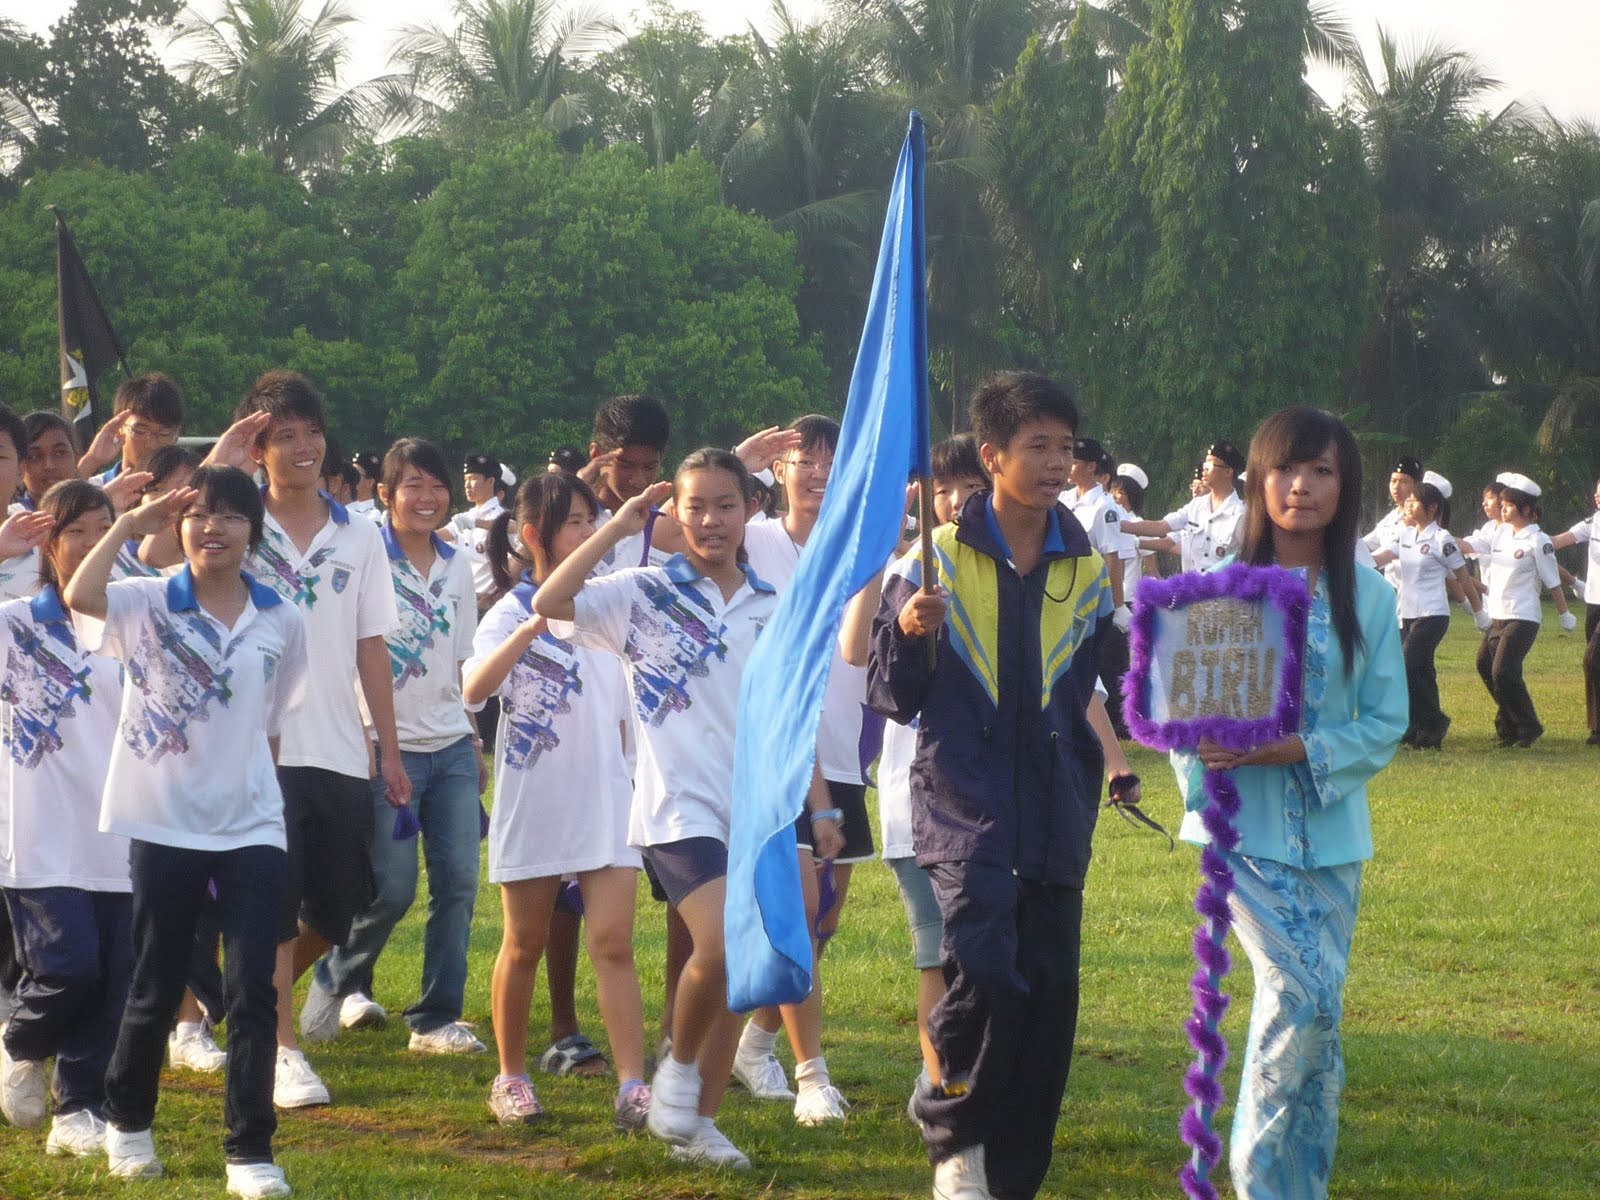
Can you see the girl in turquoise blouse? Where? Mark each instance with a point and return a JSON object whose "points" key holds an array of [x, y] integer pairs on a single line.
{"points": [[1304, 826]]}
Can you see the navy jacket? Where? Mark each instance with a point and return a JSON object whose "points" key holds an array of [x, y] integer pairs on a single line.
{"points": [[1007, 770]]}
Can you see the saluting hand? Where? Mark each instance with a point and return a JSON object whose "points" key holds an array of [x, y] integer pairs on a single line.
{"points": [[237, 440], [632, 517], [158, 514], [760, 450], [124, 491], [23, 532]]}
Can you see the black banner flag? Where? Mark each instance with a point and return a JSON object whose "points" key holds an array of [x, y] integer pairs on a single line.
{"points": [[88, 343]]}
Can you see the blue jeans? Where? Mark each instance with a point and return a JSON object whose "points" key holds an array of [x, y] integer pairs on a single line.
{"points": [[444, 794]]}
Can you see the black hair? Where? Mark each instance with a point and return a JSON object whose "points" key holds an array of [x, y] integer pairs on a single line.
{"points": [[1008, 400], [284, 394], [1495, 489], [817, 432], [36, 424], [350, 475], [169, 459], [332, 457], [1294, 435], [231, 489], [568, 458], [368, 463], [12, 424], [1431, 497], [957, 458], [66, 502], [1133, 491], [543, 501], [154, 396], [1527, 505], [632, 421], [412, 452]]}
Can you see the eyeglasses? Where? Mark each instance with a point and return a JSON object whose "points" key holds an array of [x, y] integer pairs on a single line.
{"points": [[152, 433], [227, 520], [812, 466]]}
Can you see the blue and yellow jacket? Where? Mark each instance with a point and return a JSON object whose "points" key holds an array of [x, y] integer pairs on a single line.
{"points": [[1007, 770]]}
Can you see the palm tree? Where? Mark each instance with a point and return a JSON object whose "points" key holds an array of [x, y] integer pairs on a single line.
{"points": [[277, 72], [504, 58], [20, 122], [1120, 25]]}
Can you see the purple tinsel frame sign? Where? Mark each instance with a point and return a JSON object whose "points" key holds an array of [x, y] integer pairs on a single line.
{"points": [[1218, 657]]}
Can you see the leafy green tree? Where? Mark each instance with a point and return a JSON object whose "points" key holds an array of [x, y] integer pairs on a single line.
{"points": [[538, 284]]}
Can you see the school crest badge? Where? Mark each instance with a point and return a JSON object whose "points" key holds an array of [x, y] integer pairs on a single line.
{"points": [[341, 580], [1427, 549]]}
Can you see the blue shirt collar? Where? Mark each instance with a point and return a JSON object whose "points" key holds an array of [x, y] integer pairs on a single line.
{"points": [[47, 606], [27, 503], [680, 570], [113, 472], [180, 592], [1054, 543], [341, 514], [392, 544]]}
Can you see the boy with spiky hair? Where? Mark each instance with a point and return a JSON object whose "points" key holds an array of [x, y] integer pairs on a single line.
{"points": [[1005, 783]]}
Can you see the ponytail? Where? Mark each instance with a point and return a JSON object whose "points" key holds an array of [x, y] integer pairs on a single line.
{"points": [[498, 549]]}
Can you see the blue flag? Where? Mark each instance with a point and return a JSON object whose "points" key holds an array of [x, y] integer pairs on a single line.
{"points": [[883, 442]]}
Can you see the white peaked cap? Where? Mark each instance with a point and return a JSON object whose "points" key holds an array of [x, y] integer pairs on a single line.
{"points": [[1519, 483], [1135, 473], [508, 476], [1439, 482]]}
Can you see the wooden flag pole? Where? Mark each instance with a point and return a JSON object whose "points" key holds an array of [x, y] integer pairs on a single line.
{"points": [[930, 577]]}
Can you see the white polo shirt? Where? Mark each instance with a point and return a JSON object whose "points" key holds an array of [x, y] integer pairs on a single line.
{"points": [[774, 556], [685, 650], [635, 550], [431, 637], [563, 793], [1101, 518], [58, 716], [1517, 565], [471, 537], [1212, 533], [368, 509], [190, 763], [1426, 560], [1589, 531], [342, 586]]}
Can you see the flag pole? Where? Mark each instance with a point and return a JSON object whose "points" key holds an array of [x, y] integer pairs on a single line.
{"points": [[930, 580]]}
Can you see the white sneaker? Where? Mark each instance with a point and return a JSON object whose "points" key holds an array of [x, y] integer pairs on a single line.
{"points": [[256, 1179], [191, 1047], [8, 1005], [360, 1011], [319, 1015], [762, 1077], [295, 1084], [710, 1145], [132, 1155], [24, 1088], [962, 1177], [819, 1105], [674, 1103], [454, 1038], [78, 1134]]}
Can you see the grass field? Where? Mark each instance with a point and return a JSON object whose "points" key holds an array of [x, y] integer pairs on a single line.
{"points": [[1472, 1025]]}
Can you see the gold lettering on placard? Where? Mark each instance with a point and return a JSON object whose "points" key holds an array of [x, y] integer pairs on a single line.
{"points": [[1226, 668]]}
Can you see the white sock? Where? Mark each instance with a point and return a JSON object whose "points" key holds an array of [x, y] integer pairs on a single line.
{"points": [[187, 1029], [756, 1042], [813, 1073]]}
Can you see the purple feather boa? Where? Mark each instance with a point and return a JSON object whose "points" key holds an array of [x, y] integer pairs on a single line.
{"points": [[1286, 592]]}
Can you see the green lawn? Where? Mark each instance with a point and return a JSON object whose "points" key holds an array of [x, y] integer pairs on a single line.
{"points": [[1470, 1027]]}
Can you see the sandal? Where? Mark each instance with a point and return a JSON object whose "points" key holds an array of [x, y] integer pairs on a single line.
{"points": [[575, 1055]]}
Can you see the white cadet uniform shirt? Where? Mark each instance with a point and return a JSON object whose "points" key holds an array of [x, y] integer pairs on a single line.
{"points": [[432, 636], [471, 538], [342, 585], [1427, 559], [1517, 565], [685, 650], [58, 716], [1101, 518], [368, 509], [1589, 531], [1392, 526], [563, 793], [774, 556], [191, 766], [1212, 534]]}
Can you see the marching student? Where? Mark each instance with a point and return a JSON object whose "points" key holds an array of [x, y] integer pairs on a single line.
{"points": [[774, 548], [441, 755], [147, 415], [1004, 786], [1403, 483], [1588, 531], [1127, 489], [208, 648], [1101, 519], [563, 796], [65, 883], [1431, 567], [369, 470], [685, 632], [1207, 526], [1304, 826], [1518, 560]]}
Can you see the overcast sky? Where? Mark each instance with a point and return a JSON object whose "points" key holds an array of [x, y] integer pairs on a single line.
{"points": [[1543, 50]]}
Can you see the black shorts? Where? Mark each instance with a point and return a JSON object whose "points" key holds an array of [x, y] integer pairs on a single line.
{"points": [[328, 821], [657, 892], [856, 826], [684, 866]]}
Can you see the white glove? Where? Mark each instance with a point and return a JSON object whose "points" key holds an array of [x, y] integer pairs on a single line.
{"points": [[1122, 618], [1569, 622], [1482, 619]]}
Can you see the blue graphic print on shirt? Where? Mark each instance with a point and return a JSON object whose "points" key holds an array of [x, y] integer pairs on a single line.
{"points": [[171, 684], [669, 641], [44, 675], [424, 613], [271, 565], [539, 689]]}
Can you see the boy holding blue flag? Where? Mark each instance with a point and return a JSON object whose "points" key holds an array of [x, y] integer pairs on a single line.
{"points": [[1005, 784]]}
